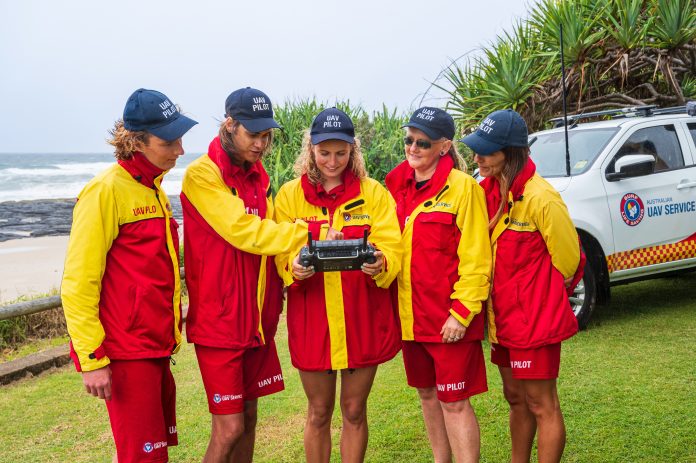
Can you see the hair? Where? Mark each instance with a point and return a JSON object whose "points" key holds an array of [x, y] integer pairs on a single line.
{"points": [[305, 163], [227, 140], [459, 162], [515, 160], [126, 141]]}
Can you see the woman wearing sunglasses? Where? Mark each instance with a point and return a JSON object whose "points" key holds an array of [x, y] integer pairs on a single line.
{"points": [[339, 321], [536, 257], [443, 282], [235, 294]]}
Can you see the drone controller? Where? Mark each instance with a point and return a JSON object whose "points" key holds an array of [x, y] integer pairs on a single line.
{"points": [[337, 255]]}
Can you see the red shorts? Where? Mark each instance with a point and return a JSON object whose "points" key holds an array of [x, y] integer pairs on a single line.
{"points": [[540, 363], [142, 409], [458, 370], [231, 376]]}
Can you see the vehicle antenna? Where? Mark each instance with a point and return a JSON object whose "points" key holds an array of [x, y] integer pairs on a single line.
{"points": [[565, 111]]}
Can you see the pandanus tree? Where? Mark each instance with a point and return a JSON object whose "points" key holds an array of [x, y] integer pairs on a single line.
{"points": [[618, 53]]}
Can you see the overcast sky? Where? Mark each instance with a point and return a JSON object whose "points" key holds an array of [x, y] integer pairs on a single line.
{"points": [[67, 67]]}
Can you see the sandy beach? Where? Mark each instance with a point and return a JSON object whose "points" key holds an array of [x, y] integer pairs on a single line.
{"points": [[31, 266]]}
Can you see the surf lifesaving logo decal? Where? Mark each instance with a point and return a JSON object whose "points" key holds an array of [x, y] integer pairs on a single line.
{"points": [[632, 209]]}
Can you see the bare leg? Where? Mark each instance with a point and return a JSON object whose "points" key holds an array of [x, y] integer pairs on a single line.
{"points": [[542, 400], [523, 424], [226, 432], [435, 425], [355, 388], [462, 430], [320, 389], [243, 451]]}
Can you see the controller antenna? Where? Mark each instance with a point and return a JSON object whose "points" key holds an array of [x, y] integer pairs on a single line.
{"points": [[310, 243]]}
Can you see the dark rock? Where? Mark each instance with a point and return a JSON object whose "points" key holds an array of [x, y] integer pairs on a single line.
{"points": [[46, 217]]}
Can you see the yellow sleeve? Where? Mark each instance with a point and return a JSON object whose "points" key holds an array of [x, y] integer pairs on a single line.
{"points": [[559, 233], [226, 214], [283, 214], [386, 235], [474, 252], [94, 228]]}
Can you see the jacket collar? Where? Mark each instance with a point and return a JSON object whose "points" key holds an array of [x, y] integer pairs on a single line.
{"points": [[317, 196], [403, 176], [141, 169], [233, 174], [492, 188]]}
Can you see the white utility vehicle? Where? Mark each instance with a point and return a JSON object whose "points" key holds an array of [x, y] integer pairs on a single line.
{"points": [[631, 193]]}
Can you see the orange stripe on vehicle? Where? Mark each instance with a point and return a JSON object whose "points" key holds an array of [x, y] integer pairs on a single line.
{"points": [[684, 249]]}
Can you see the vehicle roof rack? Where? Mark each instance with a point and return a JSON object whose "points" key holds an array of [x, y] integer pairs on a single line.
{"points": [[634, 111]]}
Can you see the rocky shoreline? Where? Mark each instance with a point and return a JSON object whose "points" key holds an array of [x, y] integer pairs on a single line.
{"points": [[46, 217]]}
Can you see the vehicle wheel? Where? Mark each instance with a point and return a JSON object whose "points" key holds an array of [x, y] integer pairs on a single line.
{"points": [[584, 298]]}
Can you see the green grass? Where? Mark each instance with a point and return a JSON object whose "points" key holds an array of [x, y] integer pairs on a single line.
{"points": [[627, 386]]}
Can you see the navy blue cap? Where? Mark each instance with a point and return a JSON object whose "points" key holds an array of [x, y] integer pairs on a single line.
{"points": [[332, 124], [500, 129], [435, 122], [152, 112], [252, 108]]}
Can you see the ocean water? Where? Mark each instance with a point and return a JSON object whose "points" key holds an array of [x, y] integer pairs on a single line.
{"points": [[56, 176]]}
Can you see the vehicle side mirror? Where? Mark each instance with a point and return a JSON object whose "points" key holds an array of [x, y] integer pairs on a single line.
{"points": [[632, 165]]}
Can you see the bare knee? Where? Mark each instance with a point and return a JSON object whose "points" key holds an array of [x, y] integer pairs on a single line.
{"points": [[227, 431], [319, 416], [428, 394], [460, 406], [515, 395], [354, 412], [543, 406]]}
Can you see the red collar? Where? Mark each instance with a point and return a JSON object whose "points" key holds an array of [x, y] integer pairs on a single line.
{"points": [[492, 188], [317, 196], [233, 174], [404, 177], [141, 169]]}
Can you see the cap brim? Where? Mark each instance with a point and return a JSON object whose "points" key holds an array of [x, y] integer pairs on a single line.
{"points": [[427, 130], [480, 145], [259, 125], [320, 137], [174, 130]]}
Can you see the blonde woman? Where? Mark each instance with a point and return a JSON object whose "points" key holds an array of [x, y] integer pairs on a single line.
{"points": [[339, 322]]}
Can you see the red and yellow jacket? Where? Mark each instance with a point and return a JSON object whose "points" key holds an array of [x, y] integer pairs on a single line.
{"points": [[535, 248], [235, 295], [339, 320], [447, 256], [121, 288]]}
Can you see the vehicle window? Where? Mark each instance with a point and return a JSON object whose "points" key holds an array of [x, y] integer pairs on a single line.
{"points": [[661, 141], [692, 131], [548, 150]]}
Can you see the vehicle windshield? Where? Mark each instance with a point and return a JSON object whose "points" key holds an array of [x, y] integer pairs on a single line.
{"points": [[548, 150]]}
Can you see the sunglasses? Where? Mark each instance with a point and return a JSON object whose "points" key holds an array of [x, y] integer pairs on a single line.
{"points": [[422, 144]]}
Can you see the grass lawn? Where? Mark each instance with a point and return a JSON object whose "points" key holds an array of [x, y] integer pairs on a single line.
{"points": [[627, 386]]}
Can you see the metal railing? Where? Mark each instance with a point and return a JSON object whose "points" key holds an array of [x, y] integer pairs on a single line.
{"points": [[29, 307]]}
